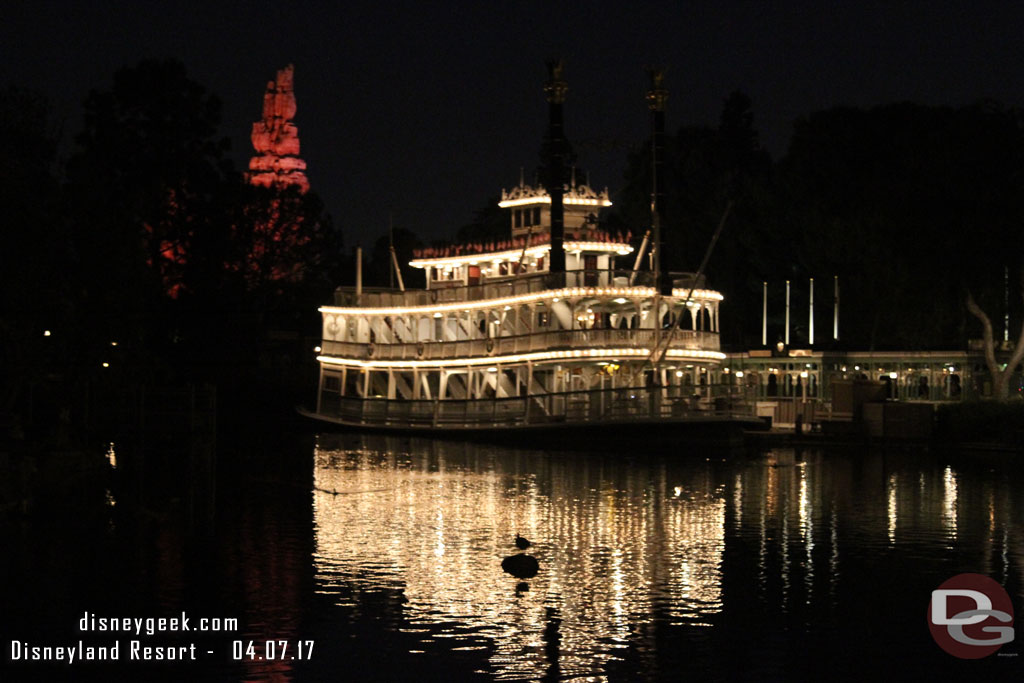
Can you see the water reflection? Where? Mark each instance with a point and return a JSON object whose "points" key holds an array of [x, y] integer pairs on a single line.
{"points": [[612, 543], [629, 548], [949, 502]]}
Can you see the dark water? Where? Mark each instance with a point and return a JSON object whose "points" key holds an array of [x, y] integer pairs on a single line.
{"points": [[386, 555]]}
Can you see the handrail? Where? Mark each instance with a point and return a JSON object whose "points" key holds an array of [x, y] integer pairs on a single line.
{"points": [[503, 345], [512, 285], [627, 404]]}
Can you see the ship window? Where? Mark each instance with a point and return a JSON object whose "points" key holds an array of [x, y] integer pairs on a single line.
{"points": [[536, 216], [542, 319], [503, 268], [540, 263], [519, 218]]}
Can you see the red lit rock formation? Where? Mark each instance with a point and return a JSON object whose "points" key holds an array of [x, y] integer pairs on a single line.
{"points": [[276, 139]]}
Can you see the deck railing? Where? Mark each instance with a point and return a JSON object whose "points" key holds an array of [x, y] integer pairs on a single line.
{"points": [[525, 343], [499, 288], [575, 407]]}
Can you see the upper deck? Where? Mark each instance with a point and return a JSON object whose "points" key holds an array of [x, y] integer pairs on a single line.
{"points": [[519, 288], [495, 301], [526, 314], [472, 264]]}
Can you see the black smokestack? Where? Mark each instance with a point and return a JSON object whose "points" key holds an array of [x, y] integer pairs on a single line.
{"points": [[657, 97], [554, 176]]}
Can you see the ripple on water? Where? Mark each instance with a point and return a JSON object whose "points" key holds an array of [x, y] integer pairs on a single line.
{"points": [[628, 550]]}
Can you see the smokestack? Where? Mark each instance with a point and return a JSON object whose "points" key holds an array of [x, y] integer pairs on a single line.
{"points": [[555, 90], [657, 97]]}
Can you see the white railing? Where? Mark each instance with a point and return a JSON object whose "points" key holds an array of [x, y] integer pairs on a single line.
{"points": [[578, 407], [502, 346], [496, 289]]}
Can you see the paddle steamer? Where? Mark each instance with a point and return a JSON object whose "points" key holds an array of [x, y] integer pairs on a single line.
{"points": [[546, 329]]}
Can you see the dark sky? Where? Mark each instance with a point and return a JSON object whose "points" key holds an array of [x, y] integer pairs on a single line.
{"points": [[426, 109]]}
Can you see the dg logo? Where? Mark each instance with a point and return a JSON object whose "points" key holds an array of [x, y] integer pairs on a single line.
{"points": [[970, 616]]}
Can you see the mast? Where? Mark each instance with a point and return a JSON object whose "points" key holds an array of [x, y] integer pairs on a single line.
{"points": [[657, 97], [555, 90]]}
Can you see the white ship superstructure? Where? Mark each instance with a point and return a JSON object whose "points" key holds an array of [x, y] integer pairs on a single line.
{"points": [[544, 328]]}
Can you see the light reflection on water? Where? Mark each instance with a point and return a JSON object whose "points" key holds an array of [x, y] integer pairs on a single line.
{"points": [[386, 553], [611, 544], [630, 547]]}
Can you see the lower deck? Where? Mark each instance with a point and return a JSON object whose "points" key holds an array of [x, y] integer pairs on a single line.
{"points": [[676, 403]]}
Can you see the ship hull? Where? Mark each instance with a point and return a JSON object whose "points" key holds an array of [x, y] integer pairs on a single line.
{"points": [[659, 434]]}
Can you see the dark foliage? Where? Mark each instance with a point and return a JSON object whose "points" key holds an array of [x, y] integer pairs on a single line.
{"points": [[153, 242], [378, 270], [34, 298], [144, 192], [706, 169], [909, 205], [489, 223]]}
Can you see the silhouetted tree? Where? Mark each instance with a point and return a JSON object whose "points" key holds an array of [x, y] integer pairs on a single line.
{"points": [[377, 270], [1000, 374], [705, 169], [489, 223], [36, 295], [143, 187], [280, 240], [909, 205]]}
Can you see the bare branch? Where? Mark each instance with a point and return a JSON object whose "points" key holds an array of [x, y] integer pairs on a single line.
{"points": [[986, 327], [1000, 376], [1018, 352]]}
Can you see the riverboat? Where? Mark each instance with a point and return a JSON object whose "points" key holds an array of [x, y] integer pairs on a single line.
{"points": [[543, 331]]}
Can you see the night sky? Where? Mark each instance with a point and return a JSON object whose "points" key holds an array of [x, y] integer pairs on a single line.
{"points": [[425, 110]]}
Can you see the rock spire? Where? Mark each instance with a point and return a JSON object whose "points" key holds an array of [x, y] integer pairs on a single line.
{"points": [[276, 138]]}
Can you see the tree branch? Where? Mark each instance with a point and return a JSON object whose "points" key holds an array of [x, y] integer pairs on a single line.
{"points": [[1018, 352], [986, 327], [999, 376]]}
